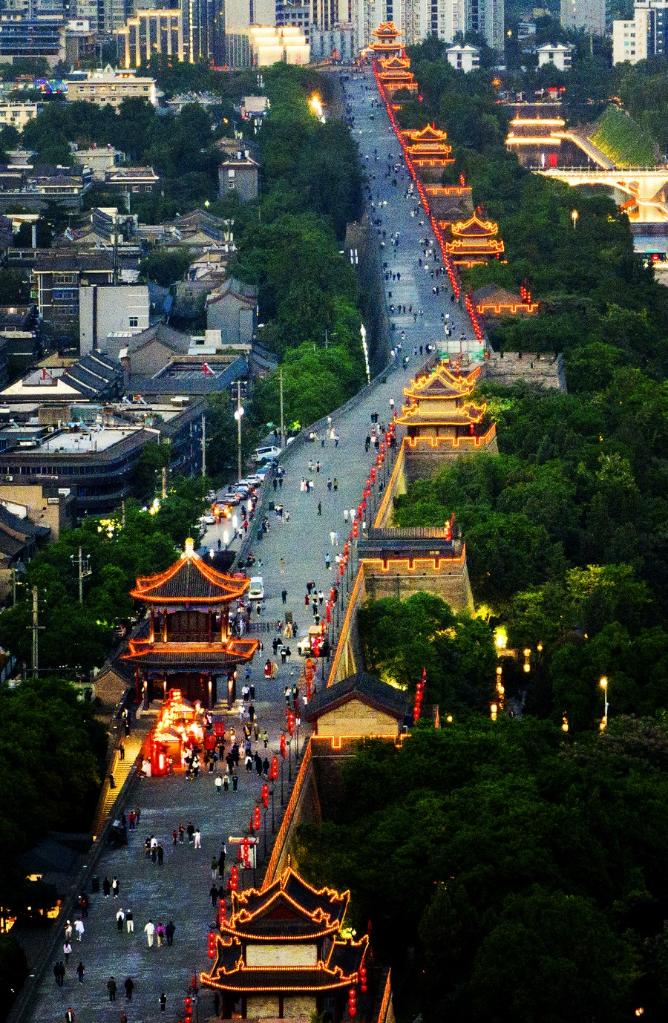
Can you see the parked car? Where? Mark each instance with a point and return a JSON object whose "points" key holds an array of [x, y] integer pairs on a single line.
{"points": [[208, 520], [256, 588], [266, 454]]}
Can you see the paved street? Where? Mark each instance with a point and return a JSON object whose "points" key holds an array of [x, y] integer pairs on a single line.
{"points": [[289, 555]]}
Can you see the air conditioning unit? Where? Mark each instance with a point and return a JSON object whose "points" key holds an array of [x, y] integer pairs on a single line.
{"points": [[8, 479]]}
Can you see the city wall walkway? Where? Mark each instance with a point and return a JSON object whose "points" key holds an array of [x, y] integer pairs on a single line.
{"points": [[289, 555]]}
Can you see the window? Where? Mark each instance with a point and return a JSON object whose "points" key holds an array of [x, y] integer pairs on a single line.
{"points": [[134, 321]]}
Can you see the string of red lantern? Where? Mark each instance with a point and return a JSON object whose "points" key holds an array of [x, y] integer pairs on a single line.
{"points": [[448, 264]]}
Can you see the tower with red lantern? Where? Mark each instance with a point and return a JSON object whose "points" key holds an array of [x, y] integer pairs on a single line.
{"points": [[386, 40], [186, 642], [395, 75], [281, 954], [441, 415]]}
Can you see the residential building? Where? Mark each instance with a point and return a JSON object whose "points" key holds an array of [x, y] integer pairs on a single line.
{"points": [[232, 309], [20, 344], [17, 114], [43, 504], [78, 42], [240, 175], [486, 17], [95, 377], [31, 188], [254, 107], [27, 37], [559, 55], [150, 32], [463, 57], [110, 86], [19, 540], [97, 158], [131, 179], [336, 44], [191, 376], [590, 16], [57, 278], [642, 37], [109, 309]]}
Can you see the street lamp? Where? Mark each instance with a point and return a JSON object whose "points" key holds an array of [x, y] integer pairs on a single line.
{"points": [[603, 683], [238, 414], [575, 216]]}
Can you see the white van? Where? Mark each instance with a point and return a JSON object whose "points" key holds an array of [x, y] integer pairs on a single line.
{"points": [[266, 454], [256, 588]]}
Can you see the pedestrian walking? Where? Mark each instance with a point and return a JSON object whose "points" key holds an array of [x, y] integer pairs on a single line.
{"points": [[67, 951], [319, 507], [69, 1016], [218, 784], [106, 887], [79, 929], [328, 561], [163, 1002], [169, 932], [59, 973], [129, 921], [120, 920], [81, 969], [284, 596], [149, 931], [129, 988], [111, 988], [197, 839]]}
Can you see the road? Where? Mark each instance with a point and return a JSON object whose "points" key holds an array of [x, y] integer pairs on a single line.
{"points": [[290, 554]]}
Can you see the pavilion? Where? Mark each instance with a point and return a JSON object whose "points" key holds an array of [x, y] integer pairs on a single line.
{"points": [[440, 410], [386, 40], [474, 242], [186, 642], [428, 147]]}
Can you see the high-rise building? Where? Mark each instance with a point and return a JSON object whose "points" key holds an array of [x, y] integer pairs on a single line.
{"points": [[588, 15], [643, 36], [486, 17], [418, 19], [148, 33]]}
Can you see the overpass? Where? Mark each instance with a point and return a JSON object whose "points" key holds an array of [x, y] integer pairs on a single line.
{"points": [[645, 186]]}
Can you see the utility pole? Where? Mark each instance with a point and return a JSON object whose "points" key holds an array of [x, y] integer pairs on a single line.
{"points": [[83, 571], [163, 475], [35, 632], [203, 444], [280, 398]]}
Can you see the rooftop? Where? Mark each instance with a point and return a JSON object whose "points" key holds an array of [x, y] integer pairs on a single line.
{"points": [[365, 687]]}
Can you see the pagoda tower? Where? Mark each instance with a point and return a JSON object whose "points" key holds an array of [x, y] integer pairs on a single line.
{"points": [[441, 414], [474, 241], [386, 40], [280, 954], [187, 641], [428, 147], [394, 74]]}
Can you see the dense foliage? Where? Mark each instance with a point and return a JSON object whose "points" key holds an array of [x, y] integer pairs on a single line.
{"points": [[509, 874], [77, 637], [400, 638], [622, 140]]}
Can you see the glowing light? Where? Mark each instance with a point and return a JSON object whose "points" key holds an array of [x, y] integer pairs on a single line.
{"points": [[500, 637]]}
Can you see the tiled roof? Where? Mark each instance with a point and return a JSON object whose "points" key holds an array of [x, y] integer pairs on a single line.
{"points": [[367, 688], [192, 580]]}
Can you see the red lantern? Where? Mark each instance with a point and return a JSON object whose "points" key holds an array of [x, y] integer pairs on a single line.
{"points": [[257, 818], [290, 722], [355, 530], [283, 748], [234, 879], [265, 796], [352, 1002], [245, 852], [187, 1009], [363, 980], [273, 770], [328, 612], [211, 945]]}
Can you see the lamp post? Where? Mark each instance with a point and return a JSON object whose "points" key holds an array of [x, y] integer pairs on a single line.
{"points": [[289, 745], [238, 414], [575, 216], [603, 683]]}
